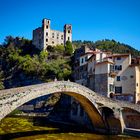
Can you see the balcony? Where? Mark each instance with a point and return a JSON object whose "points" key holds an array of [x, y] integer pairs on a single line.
{"points": [[108, 59], [113, 74], [104, 60]]}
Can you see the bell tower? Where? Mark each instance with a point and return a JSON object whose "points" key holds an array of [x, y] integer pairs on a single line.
{"points": [[46, 23], [46, 32], [67, 33]]}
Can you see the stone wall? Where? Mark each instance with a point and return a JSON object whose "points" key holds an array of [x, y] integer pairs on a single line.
{"points": [[101, 83], [91, 82]]}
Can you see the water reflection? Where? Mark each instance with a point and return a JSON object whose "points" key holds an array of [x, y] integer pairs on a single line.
{"points": [[41, 129]]}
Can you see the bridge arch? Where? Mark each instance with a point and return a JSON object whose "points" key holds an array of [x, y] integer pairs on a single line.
{"points": [[131, 118], [14, 98], [10, 99], [112, 123]]}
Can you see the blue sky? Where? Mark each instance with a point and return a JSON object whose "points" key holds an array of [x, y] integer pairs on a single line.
{"points": [[91, 19]]}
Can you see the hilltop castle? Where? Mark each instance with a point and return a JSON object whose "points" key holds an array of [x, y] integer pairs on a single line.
{"points": [[45, 36]]}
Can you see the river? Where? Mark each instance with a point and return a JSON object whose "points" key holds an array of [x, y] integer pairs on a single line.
{"points": [[19, 128]]}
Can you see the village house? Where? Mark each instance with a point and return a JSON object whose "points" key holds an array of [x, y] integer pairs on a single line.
{"points": [[111, 75]]}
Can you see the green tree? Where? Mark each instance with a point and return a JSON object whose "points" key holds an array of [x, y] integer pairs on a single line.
{"points": [[68, 48], [43, 55], [59, 48]]}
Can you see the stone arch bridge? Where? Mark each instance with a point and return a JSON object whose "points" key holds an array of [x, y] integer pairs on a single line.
{"points": [[104, 113]]}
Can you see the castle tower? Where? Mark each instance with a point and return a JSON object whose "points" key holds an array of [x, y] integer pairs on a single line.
{"points": [[67, 33], [46, 32], [46, 23], [44, 36]]}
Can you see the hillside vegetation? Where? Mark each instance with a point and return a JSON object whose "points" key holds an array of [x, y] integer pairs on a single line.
{"points": [[108, 45], [21, 64]]}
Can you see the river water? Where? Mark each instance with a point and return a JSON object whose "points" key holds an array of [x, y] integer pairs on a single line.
{"points": [[19, 128]]}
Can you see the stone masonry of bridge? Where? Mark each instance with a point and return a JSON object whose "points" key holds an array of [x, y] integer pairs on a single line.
{"points": [[93, 104]]}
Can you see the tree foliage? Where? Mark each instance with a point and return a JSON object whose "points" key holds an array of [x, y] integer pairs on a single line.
{"points": [[60, 48], [68, 48], [17, 64], [108, 45], [20, 61]]}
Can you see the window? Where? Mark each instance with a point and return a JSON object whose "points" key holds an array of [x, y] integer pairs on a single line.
{"points": [[111, 87], [118, 89], [52, 35], [57, 36], [47, 26], [118, 78], [131, 76], [62, 37], [118, 67], [68, 31], [82, 61], [118, 58], [68, 38], [86, 58], [111, 68], [46, 33], [46, 39], [52, 42], [101, 55]]}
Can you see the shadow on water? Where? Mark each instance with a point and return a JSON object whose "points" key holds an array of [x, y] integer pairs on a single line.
{"points": [[44, 122], [64, 131], [69, 126], [35, 133], [30, 133]]}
